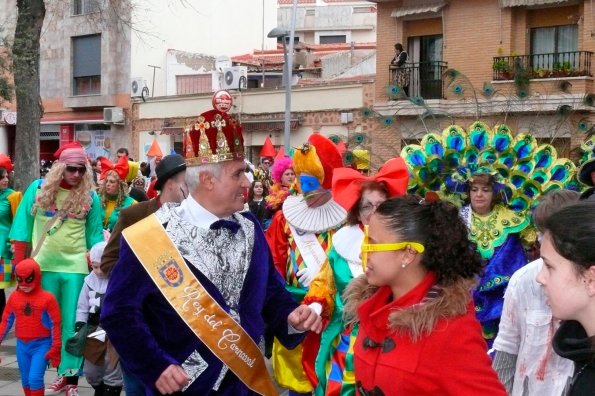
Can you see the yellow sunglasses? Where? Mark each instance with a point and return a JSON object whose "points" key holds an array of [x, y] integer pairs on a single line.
{"points": [[385, 247]]}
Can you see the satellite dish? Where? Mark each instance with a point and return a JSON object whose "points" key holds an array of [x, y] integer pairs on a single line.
{"points": [[222, 62]]}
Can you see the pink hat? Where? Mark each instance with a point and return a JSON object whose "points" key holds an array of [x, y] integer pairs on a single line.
{"points": [[71, 153]]}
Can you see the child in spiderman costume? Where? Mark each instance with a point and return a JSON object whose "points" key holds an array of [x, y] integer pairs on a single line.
{"points": [[37, 329]]}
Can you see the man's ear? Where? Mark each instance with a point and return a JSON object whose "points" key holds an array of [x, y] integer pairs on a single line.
{"points": [[589, 279], [206, 180]]}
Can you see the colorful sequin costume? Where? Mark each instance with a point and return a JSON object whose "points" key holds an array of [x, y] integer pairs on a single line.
{"points": [[37, 328], [498, 239], [522, 171]]}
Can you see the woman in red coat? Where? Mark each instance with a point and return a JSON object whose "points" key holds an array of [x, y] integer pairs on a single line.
{"points": [[418, 334]]}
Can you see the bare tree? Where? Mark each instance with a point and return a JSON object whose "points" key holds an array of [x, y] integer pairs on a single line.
{"points": [[25, 61]]}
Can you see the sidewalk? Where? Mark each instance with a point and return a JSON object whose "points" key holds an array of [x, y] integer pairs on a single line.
{"points": [[10, 378]]}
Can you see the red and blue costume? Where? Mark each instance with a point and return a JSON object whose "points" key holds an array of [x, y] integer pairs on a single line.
{"points": [[37, 329]]}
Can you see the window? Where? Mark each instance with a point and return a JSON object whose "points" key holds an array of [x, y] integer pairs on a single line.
{"points": [[554, 47], [86, 65], [296, 40], [80, 7], [334, 39], [191, 84]]}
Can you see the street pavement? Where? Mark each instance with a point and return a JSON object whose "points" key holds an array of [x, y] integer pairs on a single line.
{"points": [[10, 378]]}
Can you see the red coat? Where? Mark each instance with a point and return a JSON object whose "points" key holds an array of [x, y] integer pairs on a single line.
{"points": [[434, 347]]}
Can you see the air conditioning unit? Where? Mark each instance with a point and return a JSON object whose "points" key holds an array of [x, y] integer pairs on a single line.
{"points": [[113, 115], [136, 87], [235, 77]]}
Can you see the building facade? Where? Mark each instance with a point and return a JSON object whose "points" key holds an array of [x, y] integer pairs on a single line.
{"points": [[523, 62]]}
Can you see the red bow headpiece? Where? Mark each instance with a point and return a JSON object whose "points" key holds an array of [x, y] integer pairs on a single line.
{"points": [[121, 167], [347, 182]]}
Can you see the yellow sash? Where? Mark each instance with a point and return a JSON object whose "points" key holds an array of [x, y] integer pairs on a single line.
{"points": [[201, 313]]}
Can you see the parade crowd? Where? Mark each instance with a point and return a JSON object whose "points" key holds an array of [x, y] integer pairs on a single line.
{"points": [[184, 274]]}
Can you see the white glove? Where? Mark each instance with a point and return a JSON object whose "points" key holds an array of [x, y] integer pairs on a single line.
{"points": [[306, 275]]}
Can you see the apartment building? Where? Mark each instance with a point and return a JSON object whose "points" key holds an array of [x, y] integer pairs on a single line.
{"points": [[523, 62]]}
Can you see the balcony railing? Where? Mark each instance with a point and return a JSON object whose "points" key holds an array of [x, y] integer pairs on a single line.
{"points": [[554, 65], [424, 78]]}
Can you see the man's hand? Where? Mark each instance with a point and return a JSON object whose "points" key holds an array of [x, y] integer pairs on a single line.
{"points": [[303, 318], [173, 379]]}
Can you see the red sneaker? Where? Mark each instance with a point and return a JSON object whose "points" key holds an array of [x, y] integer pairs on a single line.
{"points": [[72, 390], [56, 387]]}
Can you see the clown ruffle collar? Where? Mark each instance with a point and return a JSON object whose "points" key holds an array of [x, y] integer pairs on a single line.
{"points": [[307, 219]]}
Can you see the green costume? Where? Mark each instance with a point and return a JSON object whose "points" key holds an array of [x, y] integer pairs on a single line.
{"points": [[62, 257]]}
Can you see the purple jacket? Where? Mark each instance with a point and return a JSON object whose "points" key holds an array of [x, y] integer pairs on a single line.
{"points": [[149, 335]]}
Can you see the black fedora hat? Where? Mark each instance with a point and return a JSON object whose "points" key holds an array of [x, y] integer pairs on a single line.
{"points": [[584, 173], [169, 166]]}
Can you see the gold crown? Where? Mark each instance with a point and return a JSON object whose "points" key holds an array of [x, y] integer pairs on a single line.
{"points": [[214, 137]]}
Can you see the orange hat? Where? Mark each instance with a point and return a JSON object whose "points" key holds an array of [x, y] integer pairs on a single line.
{"points": [[155, 149], [267, 149]]}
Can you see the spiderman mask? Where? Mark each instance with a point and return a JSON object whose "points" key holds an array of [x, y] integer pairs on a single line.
{"points": [[28, 275]]}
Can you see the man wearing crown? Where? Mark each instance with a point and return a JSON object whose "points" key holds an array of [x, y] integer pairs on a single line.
{"points": [[194, 286]]}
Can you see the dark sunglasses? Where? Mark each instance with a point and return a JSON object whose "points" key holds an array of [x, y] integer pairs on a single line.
{"points": [[74, 169]]}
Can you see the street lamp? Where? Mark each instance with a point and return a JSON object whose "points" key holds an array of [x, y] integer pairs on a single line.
{"points": [[283, 34]]}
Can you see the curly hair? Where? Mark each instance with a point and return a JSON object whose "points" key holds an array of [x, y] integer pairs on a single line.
{"points": [[122, 190], [572, 231], [79, 195], [449, 253], [279, 167]]}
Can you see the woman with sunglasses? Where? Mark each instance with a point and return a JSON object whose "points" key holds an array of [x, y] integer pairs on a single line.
{"points": [[418, 334], [60, 217], [360, 196]]}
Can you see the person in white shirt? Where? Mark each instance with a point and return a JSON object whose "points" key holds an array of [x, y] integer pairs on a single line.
{"points": [[524, 360]]}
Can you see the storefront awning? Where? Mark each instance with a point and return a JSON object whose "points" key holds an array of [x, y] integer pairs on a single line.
{"points": [[519, 3], [418, 8], [74, 118]]}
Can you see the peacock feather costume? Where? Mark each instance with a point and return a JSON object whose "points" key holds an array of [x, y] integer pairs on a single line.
{"points": [[522, 170]]}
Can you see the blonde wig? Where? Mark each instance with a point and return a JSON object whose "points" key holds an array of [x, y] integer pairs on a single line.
{"points": [[122, 189], [79, 197]]}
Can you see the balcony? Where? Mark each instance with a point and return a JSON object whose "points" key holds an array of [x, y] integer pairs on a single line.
{"points": [[425, 78], [539, 66]]}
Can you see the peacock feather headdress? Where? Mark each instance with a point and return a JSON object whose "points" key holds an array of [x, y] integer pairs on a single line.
{"points": [[521, 168]]}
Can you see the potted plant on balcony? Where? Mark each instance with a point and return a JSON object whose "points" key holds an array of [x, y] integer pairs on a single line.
{"points": [[502, 69], [562, 69]]}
